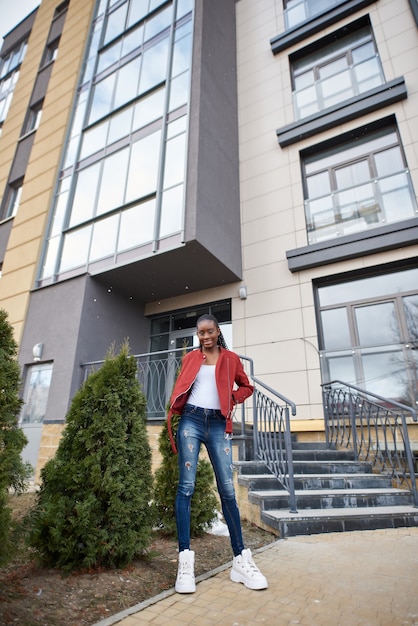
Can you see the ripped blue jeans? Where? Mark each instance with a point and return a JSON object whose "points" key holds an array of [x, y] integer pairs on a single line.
{"points": [[205, 426]]}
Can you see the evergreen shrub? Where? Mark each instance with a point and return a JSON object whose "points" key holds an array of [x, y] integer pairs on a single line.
{"points": [[14, 474], [94, 508]]}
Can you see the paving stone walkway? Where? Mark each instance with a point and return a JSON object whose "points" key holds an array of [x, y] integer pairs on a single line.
{"points": [[359, 578]]}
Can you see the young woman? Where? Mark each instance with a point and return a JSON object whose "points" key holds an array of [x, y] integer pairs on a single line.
{"points": [[211, 381]]}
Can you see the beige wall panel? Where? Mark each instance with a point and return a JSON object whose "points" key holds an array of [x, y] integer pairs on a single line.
{"points": [[261, 163], [14, 282], [259, 146], [251, 21], [267, 204], [267, 278], [309, 322], [265, 183], [311, 353], [306, 291], [264, 253], [273, 301], [45, 161], [267, 228], [278, 358], [14, 305], [279, 326], [23, 232], [23, 255], [239, 336], [259, 126], [264, 80]]}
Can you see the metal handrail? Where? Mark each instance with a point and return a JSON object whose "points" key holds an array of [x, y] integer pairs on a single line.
{"points": [[271, 433], [374, 427]]}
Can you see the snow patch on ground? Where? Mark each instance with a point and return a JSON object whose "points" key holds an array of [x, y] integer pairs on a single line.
{"points": [[218, 527]]}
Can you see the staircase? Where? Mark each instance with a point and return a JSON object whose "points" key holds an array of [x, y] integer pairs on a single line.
{"points": [[334, 493]]}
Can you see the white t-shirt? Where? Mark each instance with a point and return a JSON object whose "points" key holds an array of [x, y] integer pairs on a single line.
{"points": [[204, 392]]}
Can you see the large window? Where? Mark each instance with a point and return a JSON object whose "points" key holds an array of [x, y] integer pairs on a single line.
{"points": [[345, 67], [9, 73], [369, 333], [122, 183], [298, 11], [357, 184]]}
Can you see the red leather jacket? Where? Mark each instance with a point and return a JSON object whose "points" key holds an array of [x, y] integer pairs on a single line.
{"points": [[231, 380]]}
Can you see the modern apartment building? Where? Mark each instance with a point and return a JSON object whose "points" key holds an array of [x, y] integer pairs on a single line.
{"points": [[257, 159]]}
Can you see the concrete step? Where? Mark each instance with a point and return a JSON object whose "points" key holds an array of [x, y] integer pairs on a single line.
{"points": [[317, 481], [308, 467], [316, 521], [331, 467], [322, 455], [331, 499]]}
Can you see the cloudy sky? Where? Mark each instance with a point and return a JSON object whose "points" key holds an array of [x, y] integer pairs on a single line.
{"points": [[12, 12]]}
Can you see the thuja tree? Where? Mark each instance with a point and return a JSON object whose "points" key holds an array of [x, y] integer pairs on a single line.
{"points": [[93, 508], [204, 501], [13, 472]]}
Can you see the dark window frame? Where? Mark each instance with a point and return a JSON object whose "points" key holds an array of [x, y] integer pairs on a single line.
{"points": [[368, 102], [382, 238], [11, 200], [317, 24], [322, 46]]}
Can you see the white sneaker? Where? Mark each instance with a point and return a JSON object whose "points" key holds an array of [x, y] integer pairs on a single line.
{"points": [[245, 571], [185, 582]]}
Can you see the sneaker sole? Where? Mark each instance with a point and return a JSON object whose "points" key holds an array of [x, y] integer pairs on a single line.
{"points": [[185, 588], [250, 584]]}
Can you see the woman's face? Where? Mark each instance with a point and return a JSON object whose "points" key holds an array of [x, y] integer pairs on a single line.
{"points": [[208, 334]]}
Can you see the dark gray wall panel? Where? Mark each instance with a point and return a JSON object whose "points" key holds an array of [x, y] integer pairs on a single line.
{"points": [[77, 320], [381, 239], [21, 158], [212, 199], [5, 229], [369, 101]]}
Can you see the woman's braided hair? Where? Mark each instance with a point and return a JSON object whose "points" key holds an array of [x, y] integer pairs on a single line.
{"points": [[207, 317]]}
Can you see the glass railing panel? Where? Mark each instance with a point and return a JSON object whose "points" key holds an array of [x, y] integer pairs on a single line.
{"points": [[386, 200]]}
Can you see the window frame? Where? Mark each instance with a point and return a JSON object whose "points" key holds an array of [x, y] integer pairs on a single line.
{"points": [[354, 36], [358, 350], [33, 119], [11, 200], [332, 161]]}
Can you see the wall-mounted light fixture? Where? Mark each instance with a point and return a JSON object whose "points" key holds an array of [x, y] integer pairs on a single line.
{"points": [[243, 292], [37, 351]]}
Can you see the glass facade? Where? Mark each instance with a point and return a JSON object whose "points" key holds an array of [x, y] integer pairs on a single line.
{"points": [[122, 182]]}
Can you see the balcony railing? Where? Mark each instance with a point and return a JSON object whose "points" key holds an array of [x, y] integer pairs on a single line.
{"points": [[375, 428], [350, 82], [384, 200]]}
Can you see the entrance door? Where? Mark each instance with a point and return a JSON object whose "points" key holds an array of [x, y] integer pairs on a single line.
{"points": [[180, 342]]}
